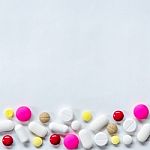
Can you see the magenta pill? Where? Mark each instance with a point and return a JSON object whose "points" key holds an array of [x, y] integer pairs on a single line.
{"points": [[23, 113], [71, 141], [141, 111]]}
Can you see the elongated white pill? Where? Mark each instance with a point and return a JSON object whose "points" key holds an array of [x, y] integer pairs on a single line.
{"points": [[21, 133], [6, 125], [144, 133], [37, 129], [58, 128], [99, 123], [86, 138]]}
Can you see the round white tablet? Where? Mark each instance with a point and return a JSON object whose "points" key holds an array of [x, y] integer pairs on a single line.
{"points": [[101, 139], [76, 125], [130, 125], [127, 140], [66, 115]]}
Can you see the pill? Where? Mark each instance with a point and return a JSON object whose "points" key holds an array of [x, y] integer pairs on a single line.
{"points": [[76, 125], [141, 111], [99, 123], [37, 142], [66, 115], [9, 113], [112, 128], [55, 139], [23, 113], [44, 117], [127, 140], [101, 139], [37, 129], [118, 115], [86, 116], [86, 139], [144, 133], [7, 140], [21, 133], [71, 141], [6, 125], [58, 128], [115, 140], [129, 125]]}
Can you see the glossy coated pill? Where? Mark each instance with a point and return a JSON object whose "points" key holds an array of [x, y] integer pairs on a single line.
{"points": [[115, 140], [101, 139], [118, 115], [76, 125], [37, 129], [99, 123], [86, 116], [55, 139], [44, 117], [112, 128], [6, 125], [7, 140], [86, 138], [9, 113], [37, 142], [127, 140], [144, 133]]}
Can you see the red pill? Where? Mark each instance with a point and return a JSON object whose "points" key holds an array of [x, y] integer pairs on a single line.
{"points": [[55, 139], [118, 115], [7, 140]]}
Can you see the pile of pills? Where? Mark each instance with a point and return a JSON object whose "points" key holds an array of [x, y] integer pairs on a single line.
{"points": [[72, 133]]}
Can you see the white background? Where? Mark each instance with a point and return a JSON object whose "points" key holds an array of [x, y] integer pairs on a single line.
{"points": [[84, 54]]}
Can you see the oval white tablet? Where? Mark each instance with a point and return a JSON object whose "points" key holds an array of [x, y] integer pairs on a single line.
{"points": [[144, 133], [101, 139], [58, 128], [127, 140], [99, 123], [86, 138], [76, 125], [130, 125], [6, 125], [21, 133], [37, 129]]}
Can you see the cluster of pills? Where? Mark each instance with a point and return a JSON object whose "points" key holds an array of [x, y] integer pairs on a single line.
{"points": [[99, 131]]}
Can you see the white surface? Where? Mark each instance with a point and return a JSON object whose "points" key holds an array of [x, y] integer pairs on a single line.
{"points": [[86, 54]]}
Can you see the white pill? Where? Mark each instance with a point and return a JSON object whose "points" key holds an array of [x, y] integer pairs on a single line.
{"points": [[37, 129], [101, 139], [76, 125], [86, 138], [58, 128], [66, 115], [144, 133], [6, 125], [21, 133], [127, 140], [130, 125], [99, 123]]}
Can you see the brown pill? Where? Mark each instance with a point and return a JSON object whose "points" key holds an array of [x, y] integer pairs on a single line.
{"points": [[112, 128], [44, 117]]}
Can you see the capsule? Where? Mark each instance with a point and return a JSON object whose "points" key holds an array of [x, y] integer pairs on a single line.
{"points": [[6, 125]]}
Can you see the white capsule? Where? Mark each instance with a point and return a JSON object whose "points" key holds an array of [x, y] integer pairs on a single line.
{"points": [[76, 125], [99, 123], [58, 128], [37, 129], [86, 138], [21, 133], [127, 140], [6, 125], [144, 133]]}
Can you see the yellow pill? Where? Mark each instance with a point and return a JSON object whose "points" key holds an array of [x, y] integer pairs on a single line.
{"points": [[9, 113], [37, 142], [115, 140], [86, 116]]}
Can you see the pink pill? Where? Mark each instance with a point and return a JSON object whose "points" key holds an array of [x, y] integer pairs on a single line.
{"points": [[71, 141], [23, 113], [141, 111]]}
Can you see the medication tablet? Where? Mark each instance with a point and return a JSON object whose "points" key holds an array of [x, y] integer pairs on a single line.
{"points": [[118, 115], [37, 142], [101, 139], [21, 133], [127, 140], [58, 128], [9, 113], [115, 140], [37, 129], [6, 125], [144, 133], [99, 123], [44, 117], [66, 115], [130, 125], [112, 128], [86, 116], [7, 140], [55, 139], [76, 125], [86, 139]]}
